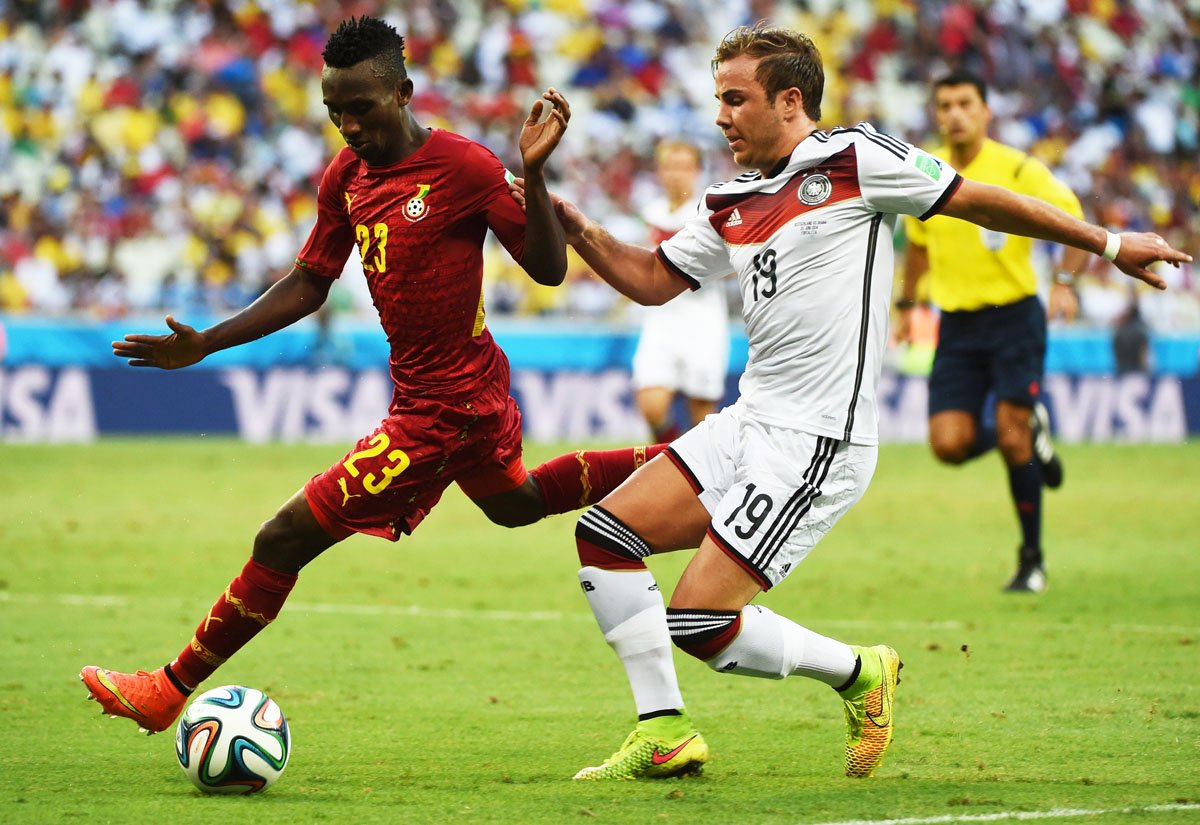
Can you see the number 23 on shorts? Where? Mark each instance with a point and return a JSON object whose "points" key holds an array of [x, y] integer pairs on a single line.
{"points": [[398, 458]]}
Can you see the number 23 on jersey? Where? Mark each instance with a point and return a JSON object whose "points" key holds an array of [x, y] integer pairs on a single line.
{"points": [[372, 239]]}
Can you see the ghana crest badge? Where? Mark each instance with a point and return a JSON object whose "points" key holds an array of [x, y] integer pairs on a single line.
{"points": [[416, 208]]}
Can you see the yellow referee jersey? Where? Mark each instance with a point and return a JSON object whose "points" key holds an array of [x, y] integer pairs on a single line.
{"points": [[971, 267]]}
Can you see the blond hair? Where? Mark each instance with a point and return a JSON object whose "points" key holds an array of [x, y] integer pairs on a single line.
{"points": [[669, 145]]}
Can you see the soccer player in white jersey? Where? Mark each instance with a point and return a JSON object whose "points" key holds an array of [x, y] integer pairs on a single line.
{"points": [[683, 348], [808, 230]]}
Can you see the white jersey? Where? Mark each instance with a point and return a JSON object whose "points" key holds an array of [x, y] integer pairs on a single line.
{"points": [[690, 309], [812, 248], [684, 343], [663, 221]]}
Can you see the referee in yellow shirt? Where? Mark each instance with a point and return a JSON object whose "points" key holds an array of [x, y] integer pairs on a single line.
{"points": [[992, 333]]}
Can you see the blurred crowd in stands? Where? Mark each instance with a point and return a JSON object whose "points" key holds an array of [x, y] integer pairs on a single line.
{"points": [[165, 155]]}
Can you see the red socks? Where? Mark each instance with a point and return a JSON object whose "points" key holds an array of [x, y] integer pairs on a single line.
{"points": [[250, 603], [580, 479]]}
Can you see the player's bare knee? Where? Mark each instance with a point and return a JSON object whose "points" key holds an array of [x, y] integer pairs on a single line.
{"points": [[948, 450], [275, 541], [513, 516], [276, 528], [290, 539], [1015, 444], [515, 508]]}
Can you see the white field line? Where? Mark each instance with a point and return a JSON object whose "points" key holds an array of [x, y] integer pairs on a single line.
{"points": [[1020, 816], [418, 611]]}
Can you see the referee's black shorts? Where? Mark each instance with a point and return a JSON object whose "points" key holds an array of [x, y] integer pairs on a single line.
{"points": [[1001, 350]]}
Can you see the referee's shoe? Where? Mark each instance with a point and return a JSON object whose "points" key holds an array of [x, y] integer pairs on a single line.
{"points": [[1031, 573], [1043, 447]]}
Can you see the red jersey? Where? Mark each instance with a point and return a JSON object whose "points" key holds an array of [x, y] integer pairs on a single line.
{"points": [[419, 226]]}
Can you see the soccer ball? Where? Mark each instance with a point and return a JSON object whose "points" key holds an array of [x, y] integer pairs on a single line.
{"points": [[233, 739]]}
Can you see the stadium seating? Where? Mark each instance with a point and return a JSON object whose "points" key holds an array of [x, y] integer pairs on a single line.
{"points": [[166, 154]]}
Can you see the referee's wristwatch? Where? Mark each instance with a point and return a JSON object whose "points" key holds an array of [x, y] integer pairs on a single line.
{"points": [[1064, 278]]}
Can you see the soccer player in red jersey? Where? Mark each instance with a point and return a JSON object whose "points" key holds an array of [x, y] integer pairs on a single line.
{"points": [[416, 203]]}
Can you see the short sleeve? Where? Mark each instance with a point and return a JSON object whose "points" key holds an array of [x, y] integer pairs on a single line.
{"points": [[332, 238], [696, 253], [485, 175], [898, 178], [1033, 178]]}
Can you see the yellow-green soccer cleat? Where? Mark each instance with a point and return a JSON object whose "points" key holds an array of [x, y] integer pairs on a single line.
{"points": [[869, 707], [647, 756]]}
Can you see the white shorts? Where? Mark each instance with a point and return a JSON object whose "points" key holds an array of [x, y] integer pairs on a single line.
{"points": [[684, 355], [772, 492]]}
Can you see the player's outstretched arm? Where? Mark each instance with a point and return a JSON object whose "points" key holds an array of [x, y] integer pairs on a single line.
{"points": [[297, 294], [634, 271], [997, 208], [545, 256]]}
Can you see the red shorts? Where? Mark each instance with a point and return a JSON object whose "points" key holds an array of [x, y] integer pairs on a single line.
{"points": [[392, 478]]}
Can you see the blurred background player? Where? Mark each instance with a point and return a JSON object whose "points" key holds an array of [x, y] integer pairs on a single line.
{"points": [[684, 345], [417, 203], [992, 333]]}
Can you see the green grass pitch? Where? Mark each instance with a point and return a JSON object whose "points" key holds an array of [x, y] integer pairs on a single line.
{"points": [[457, 676]]}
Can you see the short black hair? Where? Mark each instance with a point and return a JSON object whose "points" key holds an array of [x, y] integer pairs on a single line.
{"points": [[367, 38], [962, 77]]}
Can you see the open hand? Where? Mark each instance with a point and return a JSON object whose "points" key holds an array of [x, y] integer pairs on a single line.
{"points": [[573, 221], [516, 188], [183, 347], [538, 139], [1140, 249]]}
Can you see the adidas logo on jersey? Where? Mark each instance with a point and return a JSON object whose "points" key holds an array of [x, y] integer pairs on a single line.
{"points": [[735, 219]]}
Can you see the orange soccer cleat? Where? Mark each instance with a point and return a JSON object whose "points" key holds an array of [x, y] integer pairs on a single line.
{"points": [[150, 699]]}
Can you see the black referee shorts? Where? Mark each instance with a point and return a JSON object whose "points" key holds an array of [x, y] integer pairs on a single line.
{"points": [[1000, 350]]}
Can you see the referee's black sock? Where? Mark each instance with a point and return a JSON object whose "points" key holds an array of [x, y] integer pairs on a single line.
{"points": [[1025, 482]]}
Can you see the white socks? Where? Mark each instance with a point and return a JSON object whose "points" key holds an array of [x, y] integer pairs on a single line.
{"points": [[772, 647], [629, 609]]}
